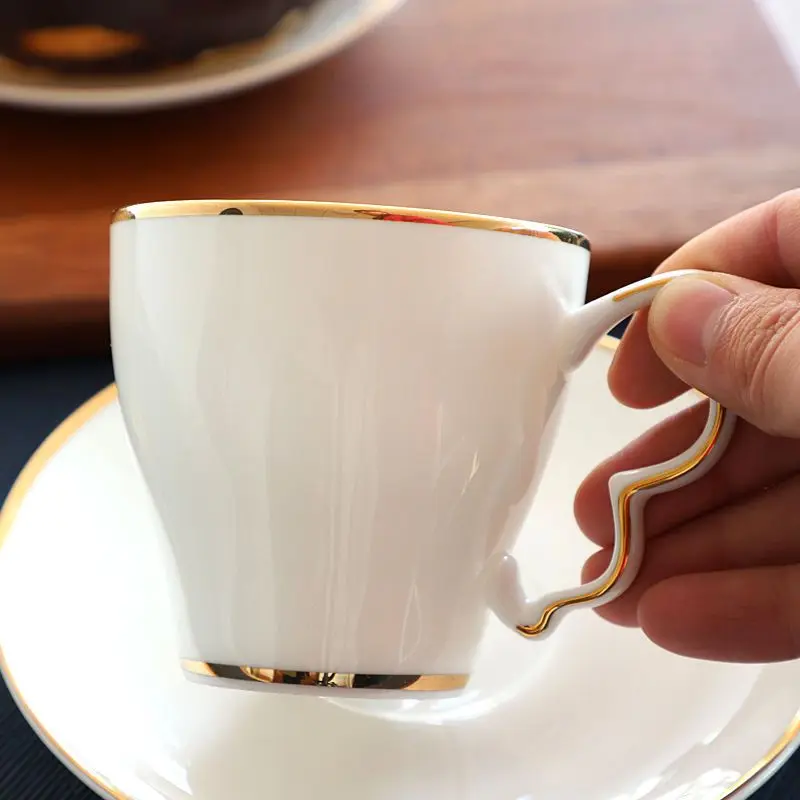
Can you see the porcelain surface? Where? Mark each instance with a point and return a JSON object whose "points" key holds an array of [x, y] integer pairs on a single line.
{"points": [[330, 503], [596, 713], [330, 26], [343, 421]]}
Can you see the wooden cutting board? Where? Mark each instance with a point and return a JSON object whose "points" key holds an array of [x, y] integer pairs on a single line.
{"points": [[638, 123]]}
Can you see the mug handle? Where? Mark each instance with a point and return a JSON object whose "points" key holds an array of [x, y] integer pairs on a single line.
{"points": [[629, 491]]}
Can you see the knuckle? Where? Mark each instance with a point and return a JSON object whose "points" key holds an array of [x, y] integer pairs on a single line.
{"points": [[786, 232], [788, 201], [760, 345]]}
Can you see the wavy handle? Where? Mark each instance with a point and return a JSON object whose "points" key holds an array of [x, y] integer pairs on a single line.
{"points": [[629, 491]]}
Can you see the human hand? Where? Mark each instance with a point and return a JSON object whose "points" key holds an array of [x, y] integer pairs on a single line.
{"points": [[721, 574]]}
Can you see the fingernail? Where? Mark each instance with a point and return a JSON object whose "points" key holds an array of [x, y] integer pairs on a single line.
{"points": [[685, 315]]}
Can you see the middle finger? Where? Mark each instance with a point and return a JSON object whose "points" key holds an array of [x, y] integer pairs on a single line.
{"points": [[752, 462], [761, 531]]}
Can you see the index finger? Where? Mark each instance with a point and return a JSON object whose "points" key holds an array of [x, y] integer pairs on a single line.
{"points": [[761, 243]]}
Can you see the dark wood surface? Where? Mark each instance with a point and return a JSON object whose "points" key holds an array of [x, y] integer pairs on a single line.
{"points": [[638, 123]]}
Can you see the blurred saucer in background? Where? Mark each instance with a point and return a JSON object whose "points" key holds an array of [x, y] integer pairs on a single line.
{"points": [[301, 40]]}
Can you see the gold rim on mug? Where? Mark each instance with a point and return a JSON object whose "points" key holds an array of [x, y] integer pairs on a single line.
{"points": [[13, 502], [312, 208]]}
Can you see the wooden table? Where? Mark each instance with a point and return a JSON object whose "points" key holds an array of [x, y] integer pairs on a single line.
{"points": [[638, 123]]}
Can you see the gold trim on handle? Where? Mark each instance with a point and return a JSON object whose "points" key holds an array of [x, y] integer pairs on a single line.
{"points": [[13, 502], [625, 524], [308, 208], [634, 290], [327, 680]]}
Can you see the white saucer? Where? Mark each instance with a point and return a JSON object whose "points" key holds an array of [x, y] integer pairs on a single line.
{"points": [[593, 713], [303, 40]]}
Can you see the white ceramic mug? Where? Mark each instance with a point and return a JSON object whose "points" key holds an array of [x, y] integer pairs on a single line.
{"points": [[342, 418]]}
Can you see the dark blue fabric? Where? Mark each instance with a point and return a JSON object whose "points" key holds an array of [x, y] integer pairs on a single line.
{"points": [[34, 398]]}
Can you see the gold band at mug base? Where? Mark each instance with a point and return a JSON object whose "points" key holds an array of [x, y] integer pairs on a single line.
{"points": [[327, 680], [310, 208], [625, 524]]}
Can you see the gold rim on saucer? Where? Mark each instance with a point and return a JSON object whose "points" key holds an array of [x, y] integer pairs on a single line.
{"points": [[310, 208], [58, 438]]}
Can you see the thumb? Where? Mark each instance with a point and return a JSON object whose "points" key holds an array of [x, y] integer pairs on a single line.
{"points": [[737, 341]]}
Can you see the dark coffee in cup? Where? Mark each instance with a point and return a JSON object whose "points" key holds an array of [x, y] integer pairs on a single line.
{"points": [[98, 36]]}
